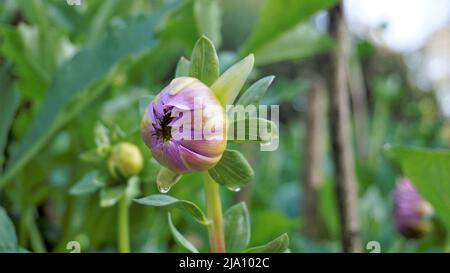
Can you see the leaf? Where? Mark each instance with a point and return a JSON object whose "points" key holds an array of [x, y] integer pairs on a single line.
{"points": [[161, 200], [8, 239], [102, 138], [299, 43], [103, 16], [111, 195], [429, 171], [75, 76], [204, 62], [36, 12], [278, 219], [237, 227], [286, 90], [255, 93], [180, 25], [144, 103], [91, 156], [10, 102], [117, 133], [36, 54], [179, 238], [207, 16], [183, 68], [132, 190], [228, 85], [90, 183], [278, 16], [255, 130], [328, 210], [278, 245], [40, 195], [232, 171]]}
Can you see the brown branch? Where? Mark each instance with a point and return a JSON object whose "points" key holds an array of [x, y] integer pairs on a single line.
{"points": [[314, 150], [358, 94], [346, 186]]}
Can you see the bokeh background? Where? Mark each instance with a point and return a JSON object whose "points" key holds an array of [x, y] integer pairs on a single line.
{"points": [[53, 110]]}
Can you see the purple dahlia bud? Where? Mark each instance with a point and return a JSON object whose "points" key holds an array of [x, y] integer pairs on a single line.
{"points": [[410, 210], [184, 126]]}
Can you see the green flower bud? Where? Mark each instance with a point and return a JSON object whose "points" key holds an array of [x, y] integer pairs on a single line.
{"points": [[125, 161]]}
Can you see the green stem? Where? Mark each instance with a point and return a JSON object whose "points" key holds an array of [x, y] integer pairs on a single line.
{"points": [[214, 212], [123, 232], [37, 244], [23, 229]]}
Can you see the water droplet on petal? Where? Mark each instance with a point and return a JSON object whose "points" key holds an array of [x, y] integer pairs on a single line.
{"points": [[166, 179], [234, 189], [163, 189]]}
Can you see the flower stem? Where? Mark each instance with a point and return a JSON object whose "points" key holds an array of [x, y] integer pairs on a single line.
{"points": [[214, 214], [37, 243], [123, 228]]}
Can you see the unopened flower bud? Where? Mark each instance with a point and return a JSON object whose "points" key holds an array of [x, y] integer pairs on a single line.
{"points": [[410, 210], [125, 160], [184, 126]]}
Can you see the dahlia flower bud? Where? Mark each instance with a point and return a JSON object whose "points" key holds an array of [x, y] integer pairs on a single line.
{"points": [[125, 160], [410, 210], [184, 126]]}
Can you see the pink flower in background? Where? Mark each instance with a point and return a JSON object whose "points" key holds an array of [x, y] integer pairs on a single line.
{"points": [[410, 210]]}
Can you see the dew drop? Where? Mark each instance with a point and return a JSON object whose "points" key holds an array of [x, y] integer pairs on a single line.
{"points": [[163, 188], [166, 179], [234, 189]]}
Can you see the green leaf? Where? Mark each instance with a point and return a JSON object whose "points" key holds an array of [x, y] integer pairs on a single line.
{"points": [[161, 200], [232, 171], [179, 238], [299, 43], [111, 195], [255, 93], [36, 12], [286, 90], [237, 227], [253, 130], [91, 156], [77, 75], [183, 68], [8, 239], [279, 16], [90, 183], [207, 16], [228, 85], [328, 210], [10, 101], [278, 245], [144, 102], [117, 133], [204, 62], [37, 54], [132, 190], [180, 25], [102, 138], [429, 170], [103, 16]]}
